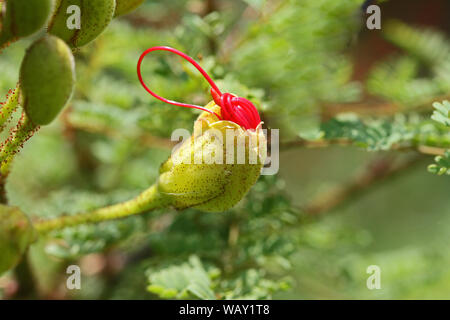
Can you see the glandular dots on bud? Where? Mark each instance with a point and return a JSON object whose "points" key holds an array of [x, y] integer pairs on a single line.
{"points": [[47, 78], [95, 17], [126, 6], [23, 18], [213, 186]]}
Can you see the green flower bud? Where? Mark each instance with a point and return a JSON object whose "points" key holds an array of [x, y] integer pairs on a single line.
{"points": [[16, 235], [126, 6], [95, 17], [24, 17], [211, 171], [216, 167], [47, 78]]}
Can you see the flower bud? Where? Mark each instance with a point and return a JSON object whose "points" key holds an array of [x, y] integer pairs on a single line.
{"points": [[95, 17], [126, 6], [47, 77], [215, 167], [16, 235], [24, 17]]}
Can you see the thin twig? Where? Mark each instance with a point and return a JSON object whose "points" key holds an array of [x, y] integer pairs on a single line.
{"points": [[377, 171], [376, 108], [302, 143]]}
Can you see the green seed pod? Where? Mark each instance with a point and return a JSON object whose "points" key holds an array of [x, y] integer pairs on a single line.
{"points": [[24, 17], [16, 235], [95, 16], [205, 171], [126, 6], [47, 78]]}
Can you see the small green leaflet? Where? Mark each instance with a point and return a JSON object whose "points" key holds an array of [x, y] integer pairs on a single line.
{"points": [[183, 281], [442, 112]]}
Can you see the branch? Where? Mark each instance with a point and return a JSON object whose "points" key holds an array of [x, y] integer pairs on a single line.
{"points": [[378, 171], [373, 107], [303, 143]]}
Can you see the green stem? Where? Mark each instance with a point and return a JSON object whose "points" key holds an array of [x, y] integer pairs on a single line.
{"points": [[148, 200], [9, 107], [20, 134]]}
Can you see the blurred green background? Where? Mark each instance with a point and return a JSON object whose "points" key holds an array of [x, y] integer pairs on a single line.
{"points": [[353, 107]]}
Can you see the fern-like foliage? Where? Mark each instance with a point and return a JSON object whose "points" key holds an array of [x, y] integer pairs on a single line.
{"points": [[187, 280], [384, 134], [289, 57], [374, 135], [397, 80], [442, 165], [418, 76], [427, 44], [300, 67], [442, 113], [192, 280]]}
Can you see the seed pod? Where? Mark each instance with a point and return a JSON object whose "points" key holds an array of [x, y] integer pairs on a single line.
{"points": [[95, 15], [24, 17], [213, 182], [16, 235], [126, 6], [47, 77]]}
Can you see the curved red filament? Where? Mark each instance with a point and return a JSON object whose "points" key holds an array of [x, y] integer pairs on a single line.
{"points": [[233, 108]]}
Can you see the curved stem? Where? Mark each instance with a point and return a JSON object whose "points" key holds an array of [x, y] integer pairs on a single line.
{"points": [[148, 200]]}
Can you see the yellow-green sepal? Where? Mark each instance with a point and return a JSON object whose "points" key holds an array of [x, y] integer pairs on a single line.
{"points": [[16, 235]]}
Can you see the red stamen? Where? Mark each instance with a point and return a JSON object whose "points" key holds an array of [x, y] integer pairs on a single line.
{"points": [[235, 109]]}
